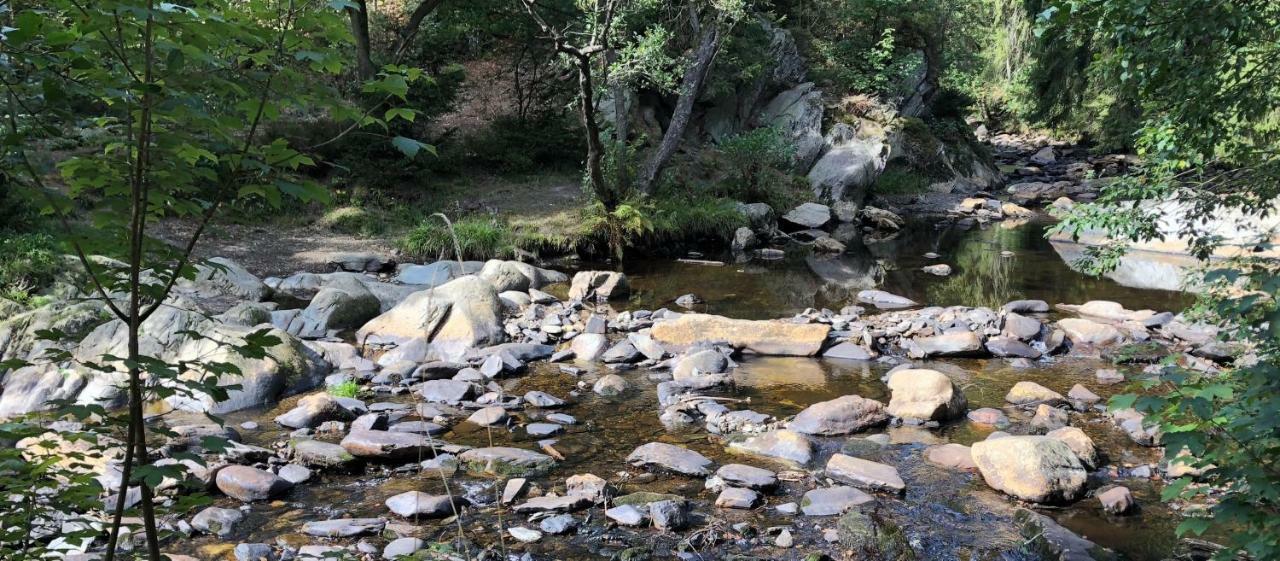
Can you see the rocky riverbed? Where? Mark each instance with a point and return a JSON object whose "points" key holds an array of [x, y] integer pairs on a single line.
{"points": [[520, 411]]}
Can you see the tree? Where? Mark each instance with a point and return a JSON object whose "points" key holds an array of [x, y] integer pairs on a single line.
{"points": [[1203, 75], [184, 95], [358, 11]]}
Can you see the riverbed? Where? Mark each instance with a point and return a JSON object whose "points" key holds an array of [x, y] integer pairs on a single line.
{"points": [[946, 514]]}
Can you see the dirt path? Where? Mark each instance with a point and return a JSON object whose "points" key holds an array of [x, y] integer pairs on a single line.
{"points": [[281, 249]]}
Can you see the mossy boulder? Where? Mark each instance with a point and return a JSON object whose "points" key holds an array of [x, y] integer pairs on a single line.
{"points": [[873, 537]]}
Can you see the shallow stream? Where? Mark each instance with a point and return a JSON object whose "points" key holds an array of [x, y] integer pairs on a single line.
{"points": [[946, 514]]}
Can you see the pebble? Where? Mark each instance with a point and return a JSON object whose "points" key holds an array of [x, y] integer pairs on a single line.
{"points": [[784, 539]]}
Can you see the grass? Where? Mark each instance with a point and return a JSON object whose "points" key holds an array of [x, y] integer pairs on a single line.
{"points": [[348, 388], [478, 238], [27, 267], [898, 180]]}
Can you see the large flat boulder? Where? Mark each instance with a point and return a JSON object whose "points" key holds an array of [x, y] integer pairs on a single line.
{"points": [[865, 474], [670, 457], [759, 337]]}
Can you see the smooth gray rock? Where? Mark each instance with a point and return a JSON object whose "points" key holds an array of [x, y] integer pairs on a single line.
{"points": [[670, 457]]}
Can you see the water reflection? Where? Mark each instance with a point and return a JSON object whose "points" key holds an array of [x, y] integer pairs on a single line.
{"points": [[990, 266]]}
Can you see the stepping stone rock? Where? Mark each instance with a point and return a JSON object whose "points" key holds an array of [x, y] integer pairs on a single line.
{"points": [[220, 522], [1028, 393], [829, 501], [250, 484], [1109, 376], [489, 416], [523, 534], [344, 527], [543, 429], [506, 461], [549, 503], [416, 504], [610, 385], [313, 410], [294, 473], [558, 524], [252, 552], [865, 474], [670, 457], [1087, 332], [387, 445], [1117, 500], [669, 515], [751, 477], [447, 391], [809, 215], [314, 453], [588, 485], [843, 415], [736, 497], [925, 395], [848, 351], [402, 547], [1082, 395], [626, 515], [953, 344], [780, 444], [598, 285], [1008, 347], [542, 399]]}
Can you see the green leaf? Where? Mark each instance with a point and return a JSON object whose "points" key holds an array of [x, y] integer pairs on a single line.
{"points": [[410, 147]]}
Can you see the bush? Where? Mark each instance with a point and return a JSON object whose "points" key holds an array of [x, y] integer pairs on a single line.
{"points": [[758, 162], [478, 238], [28, 265]]}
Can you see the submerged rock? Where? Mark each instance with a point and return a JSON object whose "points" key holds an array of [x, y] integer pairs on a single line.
{"points": [[1051, 541], [828, 501], [865, 474], [952, 456], [780, 444], [670, 457], [760, 337], [873, 537]]}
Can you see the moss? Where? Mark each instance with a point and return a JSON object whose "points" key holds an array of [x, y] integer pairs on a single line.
{"points": [[899, 179], [635, 554]]}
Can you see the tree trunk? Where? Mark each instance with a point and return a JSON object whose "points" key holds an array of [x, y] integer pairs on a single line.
{"points": [[420, 13], [360, 29], [595, 148], [690, 89]]}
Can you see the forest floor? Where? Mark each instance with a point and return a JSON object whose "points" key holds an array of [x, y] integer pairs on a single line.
{"points": [[296, 241]]}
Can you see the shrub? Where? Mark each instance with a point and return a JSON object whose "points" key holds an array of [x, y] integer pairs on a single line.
{"points": [[346, 388], [477, 238], [758, 163], [352, 220], [517, 146], [28, 265]]}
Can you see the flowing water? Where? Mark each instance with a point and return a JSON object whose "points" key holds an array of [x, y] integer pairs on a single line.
{"points": [[946, 514]]}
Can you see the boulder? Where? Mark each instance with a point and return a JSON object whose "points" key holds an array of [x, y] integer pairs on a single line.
{"points": [[1044, 156], [1117, 500], [250, 484], [1009, 347], [850, 166], [843, 415], [589, 347], [459, 315], [313, 410], [447, 391], [797, 112], [344, 303], [1080, 444], [1021, 327], [1087, 332], [760, 337], [1032, 468], [610, 385], [1048, 540], [736, 497], [599, 285], [670, 457], [220, 276], [848, 351], [864, 474], [925, 395]]}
